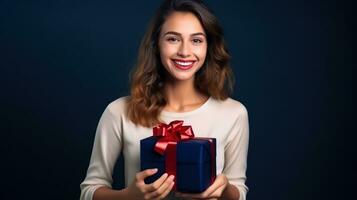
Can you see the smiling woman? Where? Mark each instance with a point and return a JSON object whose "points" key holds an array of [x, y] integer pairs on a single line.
{"points": [[182, 73], [182, 45], [181, 31]]}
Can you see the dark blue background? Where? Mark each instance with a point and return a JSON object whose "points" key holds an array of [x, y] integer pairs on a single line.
{"points": [[62, 62]]}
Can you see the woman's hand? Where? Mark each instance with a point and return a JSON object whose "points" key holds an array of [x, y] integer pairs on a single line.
{"points": [[212, 192], [159, 189]]}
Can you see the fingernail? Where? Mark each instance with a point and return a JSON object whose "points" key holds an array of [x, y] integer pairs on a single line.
{"points": [[154, 170]]}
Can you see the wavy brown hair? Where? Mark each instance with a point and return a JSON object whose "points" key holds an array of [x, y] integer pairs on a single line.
{"points": [[215, 77]]}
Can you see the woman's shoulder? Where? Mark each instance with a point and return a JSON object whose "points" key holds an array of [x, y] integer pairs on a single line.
{"points": [[119, 102], [231, 105], [118, 106]]}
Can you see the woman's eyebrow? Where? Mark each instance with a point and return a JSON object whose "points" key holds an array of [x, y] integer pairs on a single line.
{"points": [[179, 34]]}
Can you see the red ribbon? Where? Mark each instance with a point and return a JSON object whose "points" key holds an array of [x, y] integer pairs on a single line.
{"points": [[169, 135]]}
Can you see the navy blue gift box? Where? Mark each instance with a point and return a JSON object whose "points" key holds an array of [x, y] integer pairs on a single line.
{"points": [[195, 163]]}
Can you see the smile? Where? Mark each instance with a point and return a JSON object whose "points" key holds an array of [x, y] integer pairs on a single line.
{"points": [[183, 64]]}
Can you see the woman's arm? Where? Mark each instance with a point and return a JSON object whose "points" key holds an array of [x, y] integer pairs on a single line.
{"points": [[236, 153], [105, 193], [138, 190], [106, 149]]}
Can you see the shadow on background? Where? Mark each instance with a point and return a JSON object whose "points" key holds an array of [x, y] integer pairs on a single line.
{"points": [[62, 62]]}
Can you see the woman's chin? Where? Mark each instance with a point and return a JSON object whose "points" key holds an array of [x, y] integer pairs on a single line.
{"points": [[182, 77]]}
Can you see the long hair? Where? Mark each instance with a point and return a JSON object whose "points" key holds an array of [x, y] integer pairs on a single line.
{"points": [[214, 78]]}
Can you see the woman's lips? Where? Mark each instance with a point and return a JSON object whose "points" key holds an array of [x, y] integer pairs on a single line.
{"points": [[184, 64]]}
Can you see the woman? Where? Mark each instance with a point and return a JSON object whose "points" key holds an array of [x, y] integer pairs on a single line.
{"points": [[182, 73]]}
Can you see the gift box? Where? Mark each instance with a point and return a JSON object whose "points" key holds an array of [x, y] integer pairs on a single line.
{"points": [[174, 149]]}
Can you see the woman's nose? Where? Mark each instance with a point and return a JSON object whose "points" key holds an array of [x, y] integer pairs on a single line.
{"points": [[184, 50]]}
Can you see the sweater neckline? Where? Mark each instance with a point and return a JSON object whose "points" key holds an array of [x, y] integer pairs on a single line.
{"points": [[204, 106]]}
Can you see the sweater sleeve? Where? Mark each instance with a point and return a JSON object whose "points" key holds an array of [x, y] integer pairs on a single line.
{"points": [[106, 149], [236, 152]]}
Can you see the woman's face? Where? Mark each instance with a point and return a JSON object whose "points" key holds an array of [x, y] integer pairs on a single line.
{"points": [[182, 45]]}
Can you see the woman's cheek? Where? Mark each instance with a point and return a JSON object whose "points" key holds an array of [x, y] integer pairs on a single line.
{"points": [[201, 53]]}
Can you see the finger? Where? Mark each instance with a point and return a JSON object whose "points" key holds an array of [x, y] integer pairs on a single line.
{"points": [[167, 191], [216, 189], [214, 195], [207, 193], [201, 195], [218, 192], [165, 185], [156, 184], [162, 188], [145, 173]]}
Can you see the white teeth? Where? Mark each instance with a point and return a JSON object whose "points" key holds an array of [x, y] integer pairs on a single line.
{"points": [[183, 63]]}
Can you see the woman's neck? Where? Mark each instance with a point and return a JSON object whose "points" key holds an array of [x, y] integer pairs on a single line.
{"points": [[182, 96]]}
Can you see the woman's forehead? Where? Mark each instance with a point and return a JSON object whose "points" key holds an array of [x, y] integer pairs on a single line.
{"points": [[184, 23]]}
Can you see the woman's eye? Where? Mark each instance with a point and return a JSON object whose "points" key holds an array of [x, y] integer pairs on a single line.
{"points": [[172, 39], [197, 41]]}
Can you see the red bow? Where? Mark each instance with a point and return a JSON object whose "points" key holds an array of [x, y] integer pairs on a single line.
{"points": [[168, 137], [171, 134]]}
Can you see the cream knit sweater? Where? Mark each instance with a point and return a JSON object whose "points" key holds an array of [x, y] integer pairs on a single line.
{"points": [[227, 121]]}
